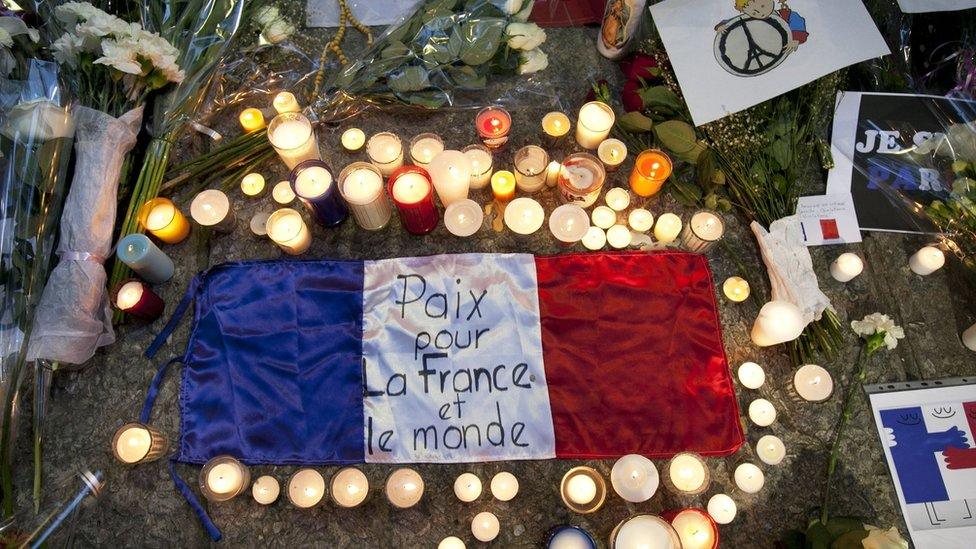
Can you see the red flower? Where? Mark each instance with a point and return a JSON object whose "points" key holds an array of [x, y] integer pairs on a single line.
{"points": [[630, 96], [640, 66]]}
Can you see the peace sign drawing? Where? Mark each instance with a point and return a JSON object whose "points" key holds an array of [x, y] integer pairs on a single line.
{"points": [[759, 39]]}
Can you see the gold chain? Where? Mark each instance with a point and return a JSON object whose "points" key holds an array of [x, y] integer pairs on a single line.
{"points": [[346, 18]]}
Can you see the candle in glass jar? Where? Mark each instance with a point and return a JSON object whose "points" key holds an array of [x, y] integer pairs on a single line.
{"points": [[349, 487], [524, 215], [253, 185], [503, 185], [361, 185], [251, 119], [211, 208], [749, 478], [424, 147], [612, 153], [813, 383], [687, 473], [485, 526], [619, 237], [634, 478], [640, 220], [643, 532], [667, 228], [696, 529], [595, 120], [531, 163], [751, 375], [413, 196], [450, 171], [594, 239], [138, 443], [223, 478], [736, 289], [926, 261], [493, 125], [313, 184], [762, 412], [722, 508], [583, 490], [136, 299], [651, 169], [145, 258], [404, 488], [285, 102], [846, 267], [463, 218], [353, 139], [293, 138], [569, 223], [555, 128], [282, 193], [581, 179], [306, 488], [504, 486], [569, 537], [287, 229], [617, 199], [702, 232], [467, 487], [164, 220], [259, 223], [265, 490], [481, 164], [771, 450]]}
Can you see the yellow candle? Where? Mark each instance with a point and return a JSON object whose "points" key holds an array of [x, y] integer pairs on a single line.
{"points": [[736, 289], [252, 184], [282, 193], [251, 119], [353, 139], [555, 124], [286, 102], [164, 220], [503, 185]]}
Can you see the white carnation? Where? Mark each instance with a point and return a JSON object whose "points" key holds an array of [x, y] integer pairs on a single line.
{"points": [[879, 323], [525, 36], [71, 13], [67, 48], [532, 61], [120, 55], [278, 31]]}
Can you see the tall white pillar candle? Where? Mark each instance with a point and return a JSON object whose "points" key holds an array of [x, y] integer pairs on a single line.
{"points": [[450, 171]]}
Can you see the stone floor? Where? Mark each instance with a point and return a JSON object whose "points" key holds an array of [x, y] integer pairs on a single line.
{"points": [[141, 507]]}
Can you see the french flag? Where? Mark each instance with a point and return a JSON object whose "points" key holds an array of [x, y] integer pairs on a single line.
{"points": [[456, 358]]}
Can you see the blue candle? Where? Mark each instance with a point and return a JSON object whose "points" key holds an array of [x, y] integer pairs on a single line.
{"points": [[145, 258], [313, 183], [569, 537]]}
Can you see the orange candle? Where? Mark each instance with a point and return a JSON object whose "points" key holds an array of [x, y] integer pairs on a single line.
{"points": [[164, 220], [651, 170], [503, 185]]}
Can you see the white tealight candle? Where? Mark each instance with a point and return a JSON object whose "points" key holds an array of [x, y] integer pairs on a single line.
{"points": [[353, 139], [285, 102], [133, 444], [594, 239], [569, 223], [813, 383], [762, 412], [968, 337], [223, 478], [404, 488], [736, 289], [259, 223], [463, 218], [252, 184], [612, 153], [481, 165], [385, 152], [581, 489], [282, 193], [846, 267], [552, 173], [688, 473], [306, 488], [349, 487], [640, 220], [749, 478], [450, 171], [771, 450], [504, 486], [485, 526], [667, 228], [265, 490], [211, 208], [778, 322], [751, 375], [722, 508], [618, 199], [604, 217], [424, 147], [695, 529], [451, 542], [618, 237], [467, 487], [926, 261], [524, 215], [634, 478], [644, 532]]}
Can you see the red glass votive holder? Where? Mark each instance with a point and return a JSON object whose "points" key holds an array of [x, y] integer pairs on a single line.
{"points": [[493, 125], [413, 194], [134, 297]]}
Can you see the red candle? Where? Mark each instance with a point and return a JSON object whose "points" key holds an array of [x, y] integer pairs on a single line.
{"points": [[413, 194], [135, 298], [695, 528], [493, 125]]}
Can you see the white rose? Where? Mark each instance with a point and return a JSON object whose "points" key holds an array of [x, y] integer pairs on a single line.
{"points": [[525, 36], [278, 31], [532, 61], [883, 539], [523, 15], [508, 6], [40, 120]]}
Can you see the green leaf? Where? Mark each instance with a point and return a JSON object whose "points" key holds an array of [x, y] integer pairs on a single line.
{"points": [[781, 152], [395, 49], [467, 78], [659, 96], [432, 99], [635, 122], [481, 39], [677, 136], [692, 155], [409, 79]]}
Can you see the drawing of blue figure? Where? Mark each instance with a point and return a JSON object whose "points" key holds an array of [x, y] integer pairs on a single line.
{"points": [[916, 453]]}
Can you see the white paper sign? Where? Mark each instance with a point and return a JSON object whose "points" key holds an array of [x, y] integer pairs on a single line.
{"points": [[920, 6], [727, 59], [828, 219], [452, 353]]}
